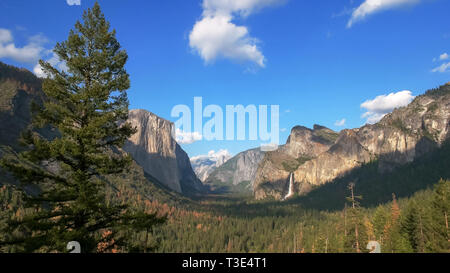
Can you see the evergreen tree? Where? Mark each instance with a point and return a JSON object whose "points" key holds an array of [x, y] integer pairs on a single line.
{"points": [[413, 227], [87, 104], [379, 221], [356, 232], [394, 239], [440, 205]]}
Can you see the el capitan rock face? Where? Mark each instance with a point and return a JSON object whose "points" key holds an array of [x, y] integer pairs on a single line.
{"points": [[155, 147], [399, 138], [157, 152]]}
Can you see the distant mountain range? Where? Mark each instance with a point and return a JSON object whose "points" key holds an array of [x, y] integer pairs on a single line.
{"points": [[237, 174], [313, 157], [319, 156], [153, 148], [204, 165]]}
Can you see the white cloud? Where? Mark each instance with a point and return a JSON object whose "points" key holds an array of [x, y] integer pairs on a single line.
{"points": [[187, 137], [372, 117], [283, 129], [54, 61], [73, 2], [442, 68], [220, 156], [384, 104], [372, 6], [216, 36], [443, 56], [243, 7], [204, 165], [29, 53], [340, 123], [5, 36]]}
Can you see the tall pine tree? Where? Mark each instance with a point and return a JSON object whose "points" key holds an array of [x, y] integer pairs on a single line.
{"points": [[440, 205], [87, 104], [356, 237]]}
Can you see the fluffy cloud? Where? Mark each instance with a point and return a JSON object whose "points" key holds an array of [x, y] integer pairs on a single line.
{"points": [[29, 53], [372, 6], [384, 104], [216, 36], [442, 68], [340, 123], [54, 61], [187, 137], [73, 2], [443, 56], [220, 156], [204, 165]]}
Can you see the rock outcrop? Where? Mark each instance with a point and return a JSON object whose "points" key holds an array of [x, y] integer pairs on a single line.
{"points": [[152, 147], [18, 88], [400, 137], [156, 151], [237, 174], [204, 165], [303, 144]]}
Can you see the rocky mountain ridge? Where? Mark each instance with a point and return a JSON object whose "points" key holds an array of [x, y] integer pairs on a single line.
{"points": [[152, 147], [237, 174], [399, 138], [204, 165], [302, 145]]}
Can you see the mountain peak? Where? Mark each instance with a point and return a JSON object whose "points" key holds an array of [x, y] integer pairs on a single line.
{"points": [[400, 137], [156, 151], [319, 127]]}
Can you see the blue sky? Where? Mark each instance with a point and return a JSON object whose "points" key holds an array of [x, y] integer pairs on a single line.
{"points": [[319, 60]]}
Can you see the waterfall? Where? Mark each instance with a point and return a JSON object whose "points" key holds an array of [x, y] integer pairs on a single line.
{"points": [[291, 187]]}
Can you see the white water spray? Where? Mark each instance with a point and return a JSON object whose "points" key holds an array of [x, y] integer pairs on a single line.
{"points": [[291, 187]]}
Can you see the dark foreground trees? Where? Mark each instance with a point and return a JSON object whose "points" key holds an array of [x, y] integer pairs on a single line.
{"points": [[86, 105]]}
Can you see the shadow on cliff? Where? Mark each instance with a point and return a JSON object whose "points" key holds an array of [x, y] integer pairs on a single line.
{"points": [[378, 180], [171, 173], [376, 186]]}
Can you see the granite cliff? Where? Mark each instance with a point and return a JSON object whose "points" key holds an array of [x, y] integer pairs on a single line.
{"points": [[204, 165], [156, 151], [237, 174], [400, 137], [152, 147]]}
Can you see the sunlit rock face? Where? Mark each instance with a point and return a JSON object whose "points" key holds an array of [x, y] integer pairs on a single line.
{"points": [[399, 138], [156, 151], [302, 145], [237, 172]]}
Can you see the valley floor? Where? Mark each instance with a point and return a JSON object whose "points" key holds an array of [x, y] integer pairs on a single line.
{"points": [[415, 224]]}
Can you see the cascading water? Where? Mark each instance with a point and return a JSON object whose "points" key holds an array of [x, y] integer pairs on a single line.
{"points": [[291, 187]]}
